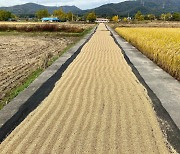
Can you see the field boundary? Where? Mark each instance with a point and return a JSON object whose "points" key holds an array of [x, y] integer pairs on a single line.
{"points": [[162, 89], [18, 109], [13, 92]]}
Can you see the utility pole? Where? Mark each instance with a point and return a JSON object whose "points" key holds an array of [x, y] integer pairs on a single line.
{"points": [[163, 5], [72, 17], [77, 17]]}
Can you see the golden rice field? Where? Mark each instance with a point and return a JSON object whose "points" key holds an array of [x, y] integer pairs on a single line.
{"points": [[162, 45]]}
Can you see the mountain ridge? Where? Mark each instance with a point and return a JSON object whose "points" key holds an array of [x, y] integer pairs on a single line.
{"points": [[125, 8], [31, 8], [131, 7]]}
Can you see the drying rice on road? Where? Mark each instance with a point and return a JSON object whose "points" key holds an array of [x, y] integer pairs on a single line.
{"points": [[97, 106]]}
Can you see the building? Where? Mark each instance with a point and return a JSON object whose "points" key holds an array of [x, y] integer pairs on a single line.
{"points": [[102, 20], [50, 19]]}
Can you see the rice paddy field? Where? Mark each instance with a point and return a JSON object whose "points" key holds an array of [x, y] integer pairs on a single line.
{"points": [[26, 49], [162, 45]]}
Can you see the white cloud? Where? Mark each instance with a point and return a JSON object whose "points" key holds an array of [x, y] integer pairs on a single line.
{"points": [[79, 3]]}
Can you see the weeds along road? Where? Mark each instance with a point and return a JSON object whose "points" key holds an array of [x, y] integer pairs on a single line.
{"points": [[98, 106]]}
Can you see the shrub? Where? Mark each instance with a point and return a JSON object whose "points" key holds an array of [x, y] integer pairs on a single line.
{"points": [[69, 29], [42, 28]]}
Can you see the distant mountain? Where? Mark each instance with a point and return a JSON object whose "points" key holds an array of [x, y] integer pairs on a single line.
{"points": [[131, 7], [31, 8], [123, 9]]}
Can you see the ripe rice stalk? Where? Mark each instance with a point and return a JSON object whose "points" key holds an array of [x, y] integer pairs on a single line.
{"points": [[161, 45]]}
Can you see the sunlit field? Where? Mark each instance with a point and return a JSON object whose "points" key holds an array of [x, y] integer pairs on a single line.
{"points": [[162, 45]]}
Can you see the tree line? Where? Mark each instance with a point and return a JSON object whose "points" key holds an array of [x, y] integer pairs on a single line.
{"points": [[63, 16], [57, 13], [91, 16], [165, 16], [140, 17]]}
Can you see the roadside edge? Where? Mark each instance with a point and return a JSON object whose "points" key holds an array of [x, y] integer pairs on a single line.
{"points": [[169, 124]]}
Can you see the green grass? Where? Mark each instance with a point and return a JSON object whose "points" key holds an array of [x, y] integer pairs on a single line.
{"points": [[14, 92]]}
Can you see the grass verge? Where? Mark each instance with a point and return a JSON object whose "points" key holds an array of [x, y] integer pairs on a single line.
{"points": [[15, 91]]}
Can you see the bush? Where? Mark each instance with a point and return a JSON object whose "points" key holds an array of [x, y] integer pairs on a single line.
{"points": [[5, 15], [3, 28], [91, 17], [42, 28], [69, 29], [49, 28]]}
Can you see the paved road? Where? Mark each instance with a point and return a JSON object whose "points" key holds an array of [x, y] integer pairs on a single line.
{"points": [[98, 106]]}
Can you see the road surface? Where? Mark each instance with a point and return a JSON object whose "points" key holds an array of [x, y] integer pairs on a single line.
{"points": [[97, 106]]}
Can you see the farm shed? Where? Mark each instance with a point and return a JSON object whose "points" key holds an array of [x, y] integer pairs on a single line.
{"points": [[102, 20], [50, 20]]}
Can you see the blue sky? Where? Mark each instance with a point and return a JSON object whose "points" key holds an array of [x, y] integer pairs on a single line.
{"points": [[83, 4]]}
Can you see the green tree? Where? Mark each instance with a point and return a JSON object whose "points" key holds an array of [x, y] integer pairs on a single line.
{"points": [[166, 17], [91, 17], [71, 16], [5, 15], [60, 14], [139, 16], [151, 17], [42, 13], [163, 17], [125, 19], [175, 16], [115, 18]]}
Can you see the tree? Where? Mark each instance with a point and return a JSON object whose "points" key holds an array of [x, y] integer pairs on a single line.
{"points": [[60, 14], [14, 17], [163, 17], [5, 15], [175, 16], [125, 19], [115, 18], [151, 17], [139, 16], [42, 13], [91, 17], [166, 17], [71, 16]]}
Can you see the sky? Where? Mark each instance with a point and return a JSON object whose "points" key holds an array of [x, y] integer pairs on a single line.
{"points": [[83, 4]]}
